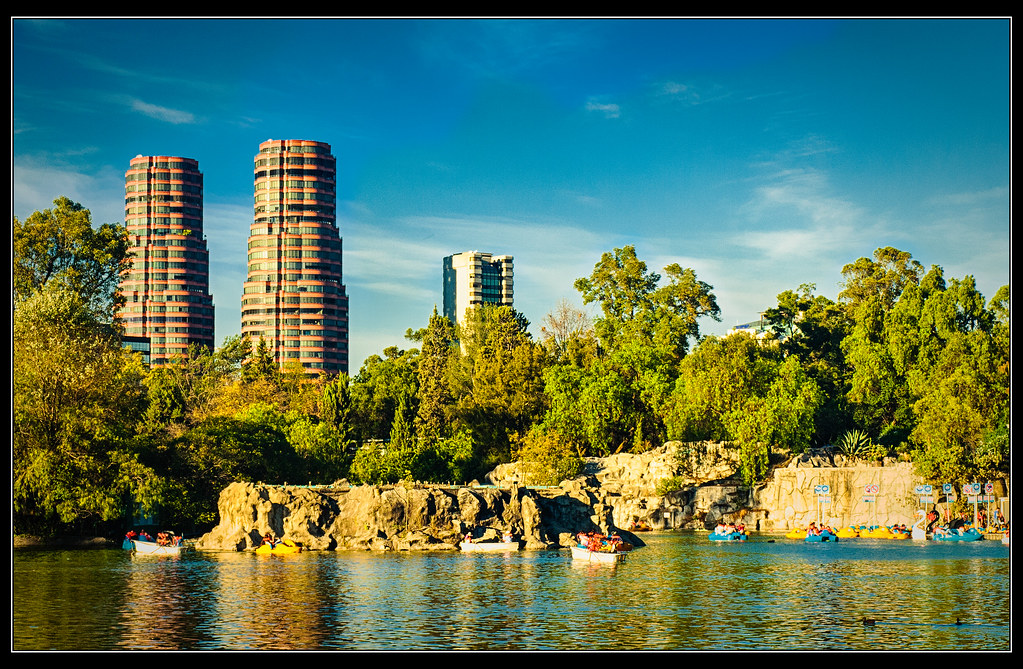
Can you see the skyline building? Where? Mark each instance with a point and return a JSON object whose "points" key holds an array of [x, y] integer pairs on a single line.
{"points": [[473, 278], [168, 304], [293, 295]]}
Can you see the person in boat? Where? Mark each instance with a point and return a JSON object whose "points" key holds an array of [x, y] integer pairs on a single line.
{"points": [[144, 536], [813, 529], [269, 540], [506, 537], [131, 535]]}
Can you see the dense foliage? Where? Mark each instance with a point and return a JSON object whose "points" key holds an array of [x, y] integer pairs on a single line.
{"points": [[905, 362]]}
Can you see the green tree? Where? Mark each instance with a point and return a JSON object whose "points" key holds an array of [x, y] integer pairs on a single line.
{"points": [[634, 307], [376, 388], [77, 396], [547, 459], [812, 328], [497, 380], [734, 389], [188, 388], [61, 245], [435, 400], [261, 365]]}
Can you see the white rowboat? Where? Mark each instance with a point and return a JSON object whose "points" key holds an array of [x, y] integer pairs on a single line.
{"points": [[152, 548], [580, 553], [489, 546]]}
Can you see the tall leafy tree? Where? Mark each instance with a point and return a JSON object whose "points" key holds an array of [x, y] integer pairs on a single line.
{"points": [[437, 352], [378, 385], [636, 308], [61, 245], [261, 366], [77, 396], [812, 328], [735, 389]]}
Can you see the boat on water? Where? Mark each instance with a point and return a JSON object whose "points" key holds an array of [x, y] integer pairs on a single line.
{"points": [[583, 553], [282, 547], [918, 532], [596, 547], [959, 534], [167, 543], [729, 533], [850, 532], [730, 536], [825, 535], [488, 546]]}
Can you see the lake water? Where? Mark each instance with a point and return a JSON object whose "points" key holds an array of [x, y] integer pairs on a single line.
{"points": [[680, 592]]}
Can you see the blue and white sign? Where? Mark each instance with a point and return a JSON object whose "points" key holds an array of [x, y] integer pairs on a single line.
{"points": [[823, 489], [947, 488]]}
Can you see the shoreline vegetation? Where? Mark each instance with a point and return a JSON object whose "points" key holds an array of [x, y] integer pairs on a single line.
{"points": [[905, 363]]}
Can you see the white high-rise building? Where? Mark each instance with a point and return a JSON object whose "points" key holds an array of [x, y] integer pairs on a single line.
{"points": [[473, 278]]}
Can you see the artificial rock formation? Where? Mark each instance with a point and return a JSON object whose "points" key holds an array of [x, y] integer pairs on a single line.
{"points": [[421, 517], [614, 494]]}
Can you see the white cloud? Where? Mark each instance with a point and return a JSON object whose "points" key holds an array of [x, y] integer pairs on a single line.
{"points": [[610, 110], [175, 116]]}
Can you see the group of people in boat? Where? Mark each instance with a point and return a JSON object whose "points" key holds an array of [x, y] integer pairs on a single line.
{"points": [[816, 530], [730, 528], [958, 523], [269, 540], [597, 542], [506, 537], [162, 538]]}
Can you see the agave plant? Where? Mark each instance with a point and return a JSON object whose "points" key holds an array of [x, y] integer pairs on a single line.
{"points": [[856, 444]]}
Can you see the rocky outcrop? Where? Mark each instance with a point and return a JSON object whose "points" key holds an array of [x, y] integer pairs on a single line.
{"points": [[419, 517], [614, 494]]}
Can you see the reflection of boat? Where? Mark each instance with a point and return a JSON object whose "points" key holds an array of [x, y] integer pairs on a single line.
{"points": [[823, 536], [945, 534], [583, 553], [282, 547], [488, 546]]}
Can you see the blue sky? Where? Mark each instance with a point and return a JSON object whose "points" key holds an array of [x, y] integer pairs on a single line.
{"points": [[762, 153]]}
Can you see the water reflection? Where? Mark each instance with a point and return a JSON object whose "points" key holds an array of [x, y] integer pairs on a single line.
{"points": [[681, 592]]}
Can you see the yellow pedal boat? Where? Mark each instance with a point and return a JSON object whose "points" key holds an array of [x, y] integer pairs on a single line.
{"points": [[280, 548]]}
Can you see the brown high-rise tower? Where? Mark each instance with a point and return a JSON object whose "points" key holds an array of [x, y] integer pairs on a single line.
{"points": [[167, 292], [293, 295]]}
